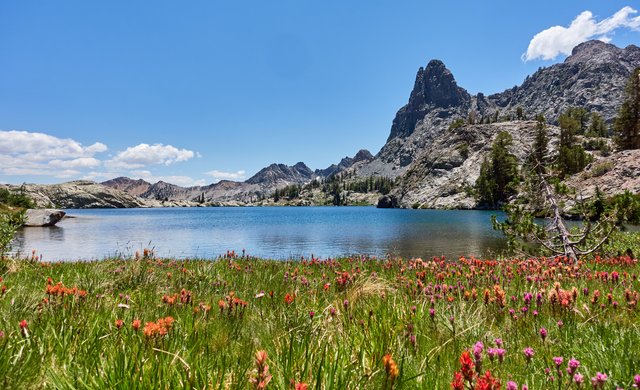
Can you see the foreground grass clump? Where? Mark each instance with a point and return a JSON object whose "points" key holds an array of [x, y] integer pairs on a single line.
{"points": [[335, 324]]}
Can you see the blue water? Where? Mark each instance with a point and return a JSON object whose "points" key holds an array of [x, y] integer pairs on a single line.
{"points": [[272, 232]]}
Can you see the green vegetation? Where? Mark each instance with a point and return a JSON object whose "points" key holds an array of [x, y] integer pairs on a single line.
{"points": [[12, 207], [347, 323], [572, 157], [627, 123], [336, 188], [498, 173]]}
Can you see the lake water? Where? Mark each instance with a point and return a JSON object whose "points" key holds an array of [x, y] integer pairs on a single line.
{"points": [[272, 232]]}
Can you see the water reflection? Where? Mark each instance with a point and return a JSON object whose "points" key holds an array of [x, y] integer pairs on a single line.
{"points": [[278, 232]]}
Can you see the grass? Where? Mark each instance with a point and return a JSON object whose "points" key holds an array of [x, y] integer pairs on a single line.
{"points": [[341, 319]]}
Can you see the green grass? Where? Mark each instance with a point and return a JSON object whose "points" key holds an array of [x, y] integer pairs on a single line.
{"points": [[73, 342]]}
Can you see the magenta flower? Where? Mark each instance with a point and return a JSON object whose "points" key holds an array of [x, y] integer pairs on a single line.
{"points": [[511, 385], [573, 366], [432, 312], [477, 350], [599, 380], [558, 361], [528, 353], [578, 378], [498, 342], [543, 333], [560, 323], [636, 381]]}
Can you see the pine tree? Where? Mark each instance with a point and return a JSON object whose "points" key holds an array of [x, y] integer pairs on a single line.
{"points": [[627, 124], [498, 173]]}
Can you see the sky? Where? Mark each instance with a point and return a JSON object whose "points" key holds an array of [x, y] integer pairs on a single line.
{"points": [[199, 91]]}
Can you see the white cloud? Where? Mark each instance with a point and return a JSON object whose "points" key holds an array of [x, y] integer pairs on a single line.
{"points": [[556, 40], [33, 153], [222, 175], [81, 162], [144, 154]]}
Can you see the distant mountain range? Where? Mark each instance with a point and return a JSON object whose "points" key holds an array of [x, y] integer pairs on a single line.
{"points": [[224, 192], [436, 143]]}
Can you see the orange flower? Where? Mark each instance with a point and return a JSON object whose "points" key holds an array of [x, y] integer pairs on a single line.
{"points": [[119, 324], [390, 367], [136, 324], [289, 298]]}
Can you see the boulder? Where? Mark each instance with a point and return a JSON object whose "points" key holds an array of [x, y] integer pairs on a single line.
{"points": [[43, 217], [387, 202]]}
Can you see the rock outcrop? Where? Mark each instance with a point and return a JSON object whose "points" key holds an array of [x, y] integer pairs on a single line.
{"points": [[362, 157], [43, 217], [437, 159], [79, 194]]}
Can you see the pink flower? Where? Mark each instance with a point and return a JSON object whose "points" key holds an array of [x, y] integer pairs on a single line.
{"points": [[543, 333], [432, 312], [511, 385], [558, 361], [636, 381], [499, 342], [573, 366], [528, 353], [578, 378], [599, 380]]}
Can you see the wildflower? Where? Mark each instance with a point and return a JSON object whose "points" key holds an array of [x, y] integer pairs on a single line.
{"points": [[528, 353], [432, 312], [458, 381], [288, 298], [301, 386], [311, 314], [558, 361], [345, 303], [332, 311], [136, 324], [636, 381], [23, 328], [560, 324], [119, 324], [260, 295], [498, 342], [262, 376], [543, 333], [599, 380], [467, 366], [573, 366], [511, 385], [487, 382], [390, 367], [578, 378]]}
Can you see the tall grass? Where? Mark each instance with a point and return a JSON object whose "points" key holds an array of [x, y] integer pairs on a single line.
{"points": [[341, 318]]}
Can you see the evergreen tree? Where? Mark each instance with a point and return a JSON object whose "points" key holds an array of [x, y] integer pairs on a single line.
{"points": [[627, 123], [597, 127], [499, 173], [571, 157]]}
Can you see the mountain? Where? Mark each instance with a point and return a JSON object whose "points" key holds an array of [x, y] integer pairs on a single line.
{"points": [[594, 76], [131, 186], [276, 175], [441, 119], [363, 156]]}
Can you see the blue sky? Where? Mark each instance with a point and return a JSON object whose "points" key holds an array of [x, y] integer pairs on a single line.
{"points": [[193, 92]]}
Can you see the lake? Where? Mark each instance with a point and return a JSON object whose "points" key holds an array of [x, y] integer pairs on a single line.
{"points": [[271, 232]]}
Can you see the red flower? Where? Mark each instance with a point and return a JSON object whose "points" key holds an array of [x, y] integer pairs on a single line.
{"points": [[467, 366], [458, 381], [487, 382]]}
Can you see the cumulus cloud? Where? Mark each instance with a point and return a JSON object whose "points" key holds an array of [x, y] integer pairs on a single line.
{"points": [[144, 154], [33, 153], [222, 175], [556, 40]]}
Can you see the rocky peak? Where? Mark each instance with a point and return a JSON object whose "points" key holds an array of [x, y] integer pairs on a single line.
{"points": [[281, 174], [435, 90], [593, 51], [436, 86], [362, 155]]}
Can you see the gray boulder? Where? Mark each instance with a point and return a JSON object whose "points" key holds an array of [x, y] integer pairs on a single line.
{"points": [[43, 217]]}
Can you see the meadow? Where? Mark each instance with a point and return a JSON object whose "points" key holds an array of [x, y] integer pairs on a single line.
{"points": [[348, 323]]}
